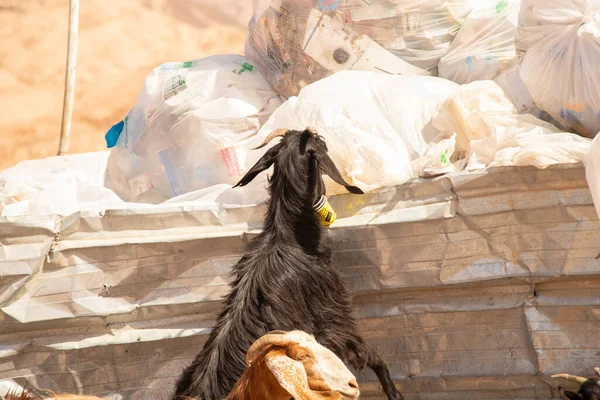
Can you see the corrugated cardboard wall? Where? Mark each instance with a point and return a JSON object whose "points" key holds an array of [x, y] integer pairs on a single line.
{"points": [[470, 286]]}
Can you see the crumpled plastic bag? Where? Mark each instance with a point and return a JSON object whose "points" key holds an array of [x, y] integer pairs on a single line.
{"points": [[375, 124], [437, 158], [561, 64], [490, 132], [592, 171], [485, 44], [75, 183], [57, 185], [297, 42], [188, 129]]}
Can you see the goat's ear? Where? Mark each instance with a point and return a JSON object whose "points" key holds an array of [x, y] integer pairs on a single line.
{"points": [[261, 165], [290, 374], [569, 395], [326, 164]]}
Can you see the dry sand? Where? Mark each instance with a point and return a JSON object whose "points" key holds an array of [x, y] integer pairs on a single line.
{"points": [[119, 43]]}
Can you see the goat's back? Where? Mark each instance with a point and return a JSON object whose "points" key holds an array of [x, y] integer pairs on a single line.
{"points": [[304, 293]]}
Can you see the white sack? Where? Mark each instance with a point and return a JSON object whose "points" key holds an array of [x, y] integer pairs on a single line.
{"points": [[189, 128], [561, 65], [490, 132], [592, 171], [374, 124], [485, 44]]}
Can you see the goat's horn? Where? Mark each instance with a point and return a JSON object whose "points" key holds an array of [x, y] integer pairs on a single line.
{"points": [[272, 135], [277, 338], [312, 131], [572, 378], [277, 333], [597, 371]]}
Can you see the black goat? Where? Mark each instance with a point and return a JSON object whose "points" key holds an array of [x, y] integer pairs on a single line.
{"points": [[589, 389], [285, 280]]}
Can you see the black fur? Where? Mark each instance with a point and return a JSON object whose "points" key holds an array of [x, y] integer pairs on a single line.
{"points": [[285, 280], [589, 390]]}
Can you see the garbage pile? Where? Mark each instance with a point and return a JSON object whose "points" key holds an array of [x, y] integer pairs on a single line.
{"points": [[187, 128], [297, 42], [553, 45], [400, 89]]}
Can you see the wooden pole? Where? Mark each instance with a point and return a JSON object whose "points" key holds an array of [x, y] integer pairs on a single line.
{"points": [[65, 130]]}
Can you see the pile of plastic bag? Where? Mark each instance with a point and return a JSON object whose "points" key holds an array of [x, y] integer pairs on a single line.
{"points": [[187, 129], [358, 69], [297, 42], [487, 131], [381, 130], [542, 53], [378, 138], [375, 124]]}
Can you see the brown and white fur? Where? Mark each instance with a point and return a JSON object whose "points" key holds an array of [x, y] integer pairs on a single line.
{"points": [[284, 365]]}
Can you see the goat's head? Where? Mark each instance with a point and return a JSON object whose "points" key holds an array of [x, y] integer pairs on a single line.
{"points": [[300, 156], [305, 369], [589, 388]]}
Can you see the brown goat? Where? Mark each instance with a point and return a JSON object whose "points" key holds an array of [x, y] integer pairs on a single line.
{"points": [[281, 365], [293, 364]]}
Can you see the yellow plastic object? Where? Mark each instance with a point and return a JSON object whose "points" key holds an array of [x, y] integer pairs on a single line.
{"points": [[325, 212]]}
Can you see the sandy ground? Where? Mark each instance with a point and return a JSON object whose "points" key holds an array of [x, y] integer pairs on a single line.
{"points": [[119, 43]]}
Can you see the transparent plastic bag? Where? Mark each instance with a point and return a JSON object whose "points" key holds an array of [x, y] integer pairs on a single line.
{"points": [[485, 44], [561, 64], [297, 42], [490, 132], [188, 129]]}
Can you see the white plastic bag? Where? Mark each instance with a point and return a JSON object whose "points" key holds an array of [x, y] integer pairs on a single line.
{"points": [[297, 42], [436, 160], [515, 90], [485, 44], [56, 185], [189, 128], [375, 124], [561, 65], [592, 171], [490, 132], [66, 185]]}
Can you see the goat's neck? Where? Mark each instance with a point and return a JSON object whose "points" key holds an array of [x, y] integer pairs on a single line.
{"points": [[290, 216]]}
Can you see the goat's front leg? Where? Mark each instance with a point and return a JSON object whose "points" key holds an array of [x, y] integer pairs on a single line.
{"points": [[375, 362]]}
